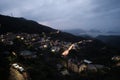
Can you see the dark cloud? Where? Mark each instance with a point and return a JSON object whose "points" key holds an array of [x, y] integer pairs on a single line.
{"points": [[66, 14]]}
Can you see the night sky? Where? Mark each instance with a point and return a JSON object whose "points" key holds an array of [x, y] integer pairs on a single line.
{"points": [[67, 14]]}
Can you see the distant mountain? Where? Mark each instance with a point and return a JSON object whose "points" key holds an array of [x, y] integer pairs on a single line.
{"points": [[80, 32], [113, 32], [75, 31], [13, 24], [94, 31], [110, 40]]}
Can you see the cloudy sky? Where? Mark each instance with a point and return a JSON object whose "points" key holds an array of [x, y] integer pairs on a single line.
{"points": [[67, 14]]}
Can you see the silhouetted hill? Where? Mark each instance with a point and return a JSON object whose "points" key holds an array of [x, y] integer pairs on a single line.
{"points": [[18, 25], [12, 24]]}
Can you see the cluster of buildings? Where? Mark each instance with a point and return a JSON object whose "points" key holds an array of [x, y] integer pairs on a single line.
{"points": [[39, 41], [43, 42], [83, 67], [36, 41], [116, 60]]}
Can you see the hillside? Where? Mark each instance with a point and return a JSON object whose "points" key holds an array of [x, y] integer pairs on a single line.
{"points": [[12, 24], [110, 40], [31, 51], [18, 25]]}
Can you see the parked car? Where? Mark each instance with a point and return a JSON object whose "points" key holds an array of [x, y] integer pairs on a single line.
{"points": [[15, 65], [21, 69]]}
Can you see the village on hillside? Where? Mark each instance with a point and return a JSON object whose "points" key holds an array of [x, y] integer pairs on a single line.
{"points": [[37, 53]]}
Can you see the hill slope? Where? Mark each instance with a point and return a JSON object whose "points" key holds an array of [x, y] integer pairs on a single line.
{"points": [[110, 40], [18, 25], [12, 24]]}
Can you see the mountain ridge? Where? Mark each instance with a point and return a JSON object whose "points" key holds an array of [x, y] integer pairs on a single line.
{"points": [[21, 22], [16, 25]]}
